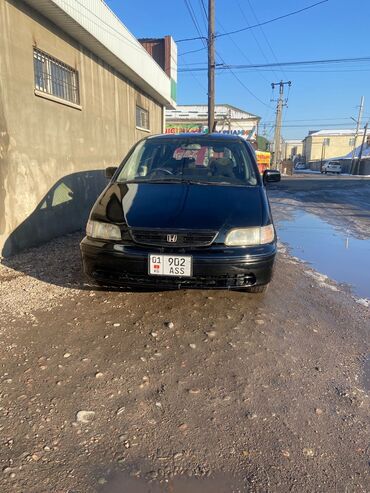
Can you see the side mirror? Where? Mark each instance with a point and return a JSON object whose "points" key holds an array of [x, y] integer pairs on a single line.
{"points": [[271, 176], [109, 172]]}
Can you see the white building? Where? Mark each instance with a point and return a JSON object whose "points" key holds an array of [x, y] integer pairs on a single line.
{"points": [[228, 118]]}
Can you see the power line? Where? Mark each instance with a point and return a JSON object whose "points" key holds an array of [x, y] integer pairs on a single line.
{"points": [[195, 77], [204, 16], [272, 125], [259, 24], [243, 85], [192, 51], [195, 21], [296, 71], [276, 18], [254, 36], [309, 120], [284, 64], [193, 18], [241, 51], [203, 7]]}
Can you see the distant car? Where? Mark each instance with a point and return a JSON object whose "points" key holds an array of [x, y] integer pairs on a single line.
{"points": [[332, 167], [183, 211]]}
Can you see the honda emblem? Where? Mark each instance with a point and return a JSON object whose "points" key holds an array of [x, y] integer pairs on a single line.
{"points": [[171, 238]]}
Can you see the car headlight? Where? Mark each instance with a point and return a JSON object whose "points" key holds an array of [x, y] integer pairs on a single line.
{"points": [[250, 236], [105, 231]]}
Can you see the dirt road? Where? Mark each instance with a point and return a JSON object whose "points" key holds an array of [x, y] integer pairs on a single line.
{"points": [[186, 391]]}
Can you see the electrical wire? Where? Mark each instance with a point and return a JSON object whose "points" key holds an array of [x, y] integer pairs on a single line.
{"points": [[198, 81], [204, 14], [259, 24], [286, 64], [242, 84], [195, 21], [197, 27], [242, 52], [252, 31]]}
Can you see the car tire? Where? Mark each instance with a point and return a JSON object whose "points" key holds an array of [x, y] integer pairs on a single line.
{"points": [[258, 289]]}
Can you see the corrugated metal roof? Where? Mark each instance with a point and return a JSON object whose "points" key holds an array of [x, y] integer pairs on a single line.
{"points": [[200, 111]]}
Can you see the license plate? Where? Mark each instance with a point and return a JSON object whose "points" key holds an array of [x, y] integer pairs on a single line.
{"points": [[170, 265]]}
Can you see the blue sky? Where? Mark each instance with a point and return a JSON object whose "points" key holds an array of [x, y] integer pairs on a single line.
{"points": [[320, 96]]}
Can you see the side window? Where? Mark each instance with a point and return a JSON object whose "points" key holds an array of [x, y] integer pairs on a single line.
{"points": [[142, 118], [55, 77]]}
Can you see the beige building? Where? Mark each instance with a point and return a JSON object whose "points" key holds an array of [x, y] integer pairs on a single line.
{"points": [[77, 91], [322, 145], [293, 149]]}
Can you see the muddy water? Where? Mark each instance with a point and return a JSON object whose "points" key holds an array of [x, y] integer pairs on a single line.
{"points": [[329, 250]]}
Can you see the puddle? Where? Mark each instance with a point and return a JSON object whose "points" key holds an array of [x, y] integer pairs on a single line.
{"points": [[330, 251], [218, 484]]}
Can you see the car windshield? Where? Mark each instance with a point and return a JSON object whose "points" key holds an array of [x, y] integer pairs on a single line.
{"points": [[182, 160]]}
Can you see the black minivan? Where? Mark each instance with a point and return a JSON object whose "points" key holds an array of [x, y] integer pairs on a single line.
{"points": [[183, 211]]}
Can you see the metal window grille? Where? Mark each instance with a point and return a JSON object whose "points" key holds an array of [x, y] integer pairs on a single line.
{"points": [[142, 118], [352, 141], [326, 142], [55, 77]]}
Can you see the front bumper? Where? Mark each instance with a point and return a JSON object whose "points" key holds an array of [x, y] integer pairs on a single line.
{"points": [[213, 267]]}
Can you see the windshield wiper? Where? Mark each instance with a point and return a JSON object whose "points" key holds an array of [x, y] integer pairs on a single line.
{"points": [[217, 183], [156, 180]]}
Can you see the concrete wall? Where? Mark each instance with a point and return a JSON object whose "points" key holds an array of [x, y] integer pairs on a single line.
{"points": [[52, 155]]}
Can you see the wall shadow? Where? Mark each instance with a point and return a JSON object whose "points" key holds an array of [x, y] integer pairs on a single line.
{"points": [[64, 209]]}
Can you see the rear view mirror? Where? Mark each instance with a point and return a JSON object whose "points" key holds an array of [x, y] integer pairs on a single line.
{"points": [[271, 176], [109, 172]]}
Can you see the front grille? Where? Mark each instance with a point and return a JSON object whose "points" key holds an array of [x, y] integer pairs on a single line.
{"points": [[183, 238], [197, 282]]}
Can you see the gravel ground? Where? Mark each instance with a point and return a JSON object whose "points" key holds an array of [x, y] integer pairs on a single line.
{"points": [[209, 391]]}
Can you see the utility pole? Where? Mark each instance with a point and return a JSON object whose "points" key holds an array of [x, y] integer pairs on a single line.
{"points": [[360, 111], [323, 146], [279, 115], [362, 148], [211, 65]]}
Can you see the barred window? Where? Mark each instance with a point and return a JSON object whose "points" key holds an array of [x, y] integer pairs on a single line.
{"points": [[55, 77], [142, 118]]}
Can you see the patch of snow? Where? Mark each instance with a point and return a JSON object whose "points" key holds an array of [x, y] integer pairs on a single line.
{"points": [[308, 171], [321, 279], [363, 301]]}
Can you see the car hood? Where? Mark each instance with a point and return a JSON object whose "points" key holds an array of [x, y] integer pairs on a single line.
{"points": [[183, 206]]}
